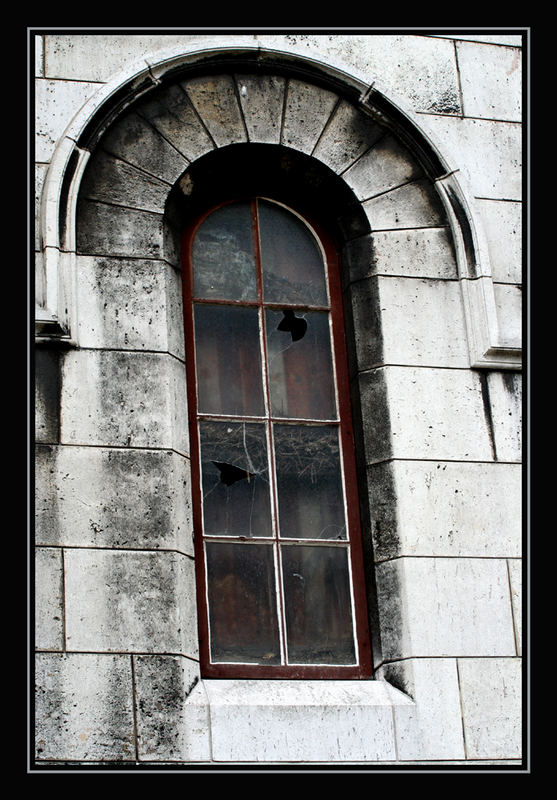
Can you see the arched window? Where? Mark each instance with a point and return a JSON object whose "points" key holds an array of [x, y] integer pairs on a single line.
{"points": [[278, 549]]}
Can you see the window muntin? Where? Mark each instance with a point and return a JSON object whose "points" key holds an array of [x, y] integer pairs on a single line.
{"points": [[278, 547]]}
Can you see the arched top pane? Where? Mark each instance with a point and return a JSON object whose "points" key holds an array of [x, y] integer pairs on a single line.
{"points": [[223, 255], [291, 261]]}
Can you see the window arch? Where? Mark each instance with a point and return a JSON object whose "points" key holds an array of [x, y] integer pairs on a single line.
{"points": [[277, 532]]}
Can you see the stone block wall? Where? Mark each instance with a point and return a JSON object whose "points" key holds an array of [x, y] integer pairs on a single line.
{"points": [[116, 634]]}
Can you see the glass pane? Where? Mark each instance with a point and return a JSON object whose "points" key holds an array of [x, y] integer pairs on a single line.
{"points": [[300, 369], [223, 257], [318, 607], [235, 478], [310, 496], [242, 603], [228, 359], [293, 270]]}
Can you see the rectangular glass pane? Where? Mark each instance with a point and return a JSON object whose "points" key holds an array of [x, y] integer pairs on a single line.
{"points": [[223, 255], [292, 263], [319, 627], [301, 379], [309, 483], [235, 479], [242, 603], [228, 360]]}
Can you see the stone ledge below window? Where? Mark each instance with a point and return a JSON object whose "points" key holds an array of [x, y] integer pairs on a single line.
{"points": [[292, 721]]}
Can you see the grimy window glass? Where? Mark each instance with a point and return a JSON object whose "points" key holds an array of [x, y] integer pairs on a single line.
{"points": [[278, 547]]}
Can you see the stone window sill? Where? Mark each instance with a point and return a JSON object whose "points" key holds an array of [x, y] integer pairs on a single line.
{"points": [[292, 721]]}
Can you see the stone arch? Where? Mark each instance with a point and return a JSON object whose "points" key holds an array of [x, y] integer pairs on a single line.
{"points": [[160, 136], [323, 101], [201, 136]]}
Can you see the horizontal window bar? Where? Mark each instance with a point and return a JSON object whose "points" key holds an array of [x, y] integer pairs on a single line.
{"points": [[286, 420], [214, 301], [268, 540]]}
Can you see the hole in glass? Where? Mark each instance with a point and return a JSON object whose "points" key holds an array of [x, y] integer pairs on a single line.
{"points": [[234, 505], [301, 379], [229, 473], [296, 326]]}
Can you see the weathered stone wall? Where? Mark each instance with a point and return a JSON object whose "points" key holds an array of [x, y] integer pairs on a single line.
{"points": [[439, 445]]}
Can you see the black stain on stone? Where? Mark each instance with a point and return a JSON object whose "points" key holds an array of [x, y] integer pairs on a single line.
{"points": [[511, 383], [46, 495], [108, 112], [446, 103], [390, 616], [370, 404], [487, 412], [47, 386], [383, 511], [162, 692], [376, 493], [64, 194], [396, 675], [466, 231]]}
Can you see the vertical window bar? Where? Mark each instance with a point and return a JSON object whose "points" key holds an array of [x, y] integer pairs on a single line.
{"points": [[270, 437]]}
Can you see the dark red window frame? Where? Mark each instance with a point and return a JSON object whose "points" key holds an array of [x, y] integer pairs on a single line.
{"points": [[363, 667]]}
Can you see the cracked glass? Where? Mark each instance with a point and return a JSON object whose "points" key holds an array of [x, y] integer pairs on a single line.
{"points": [[235, 479], [309, 483]]}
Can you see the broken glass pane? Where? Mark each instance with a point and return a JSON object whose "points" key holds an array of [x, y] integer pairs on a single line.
{"points": [[310, 496], [291, 260], [228, 360], [242, 603], [318, 605], [223, 255], [295, 326], [300, 368], [235, 479]]}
